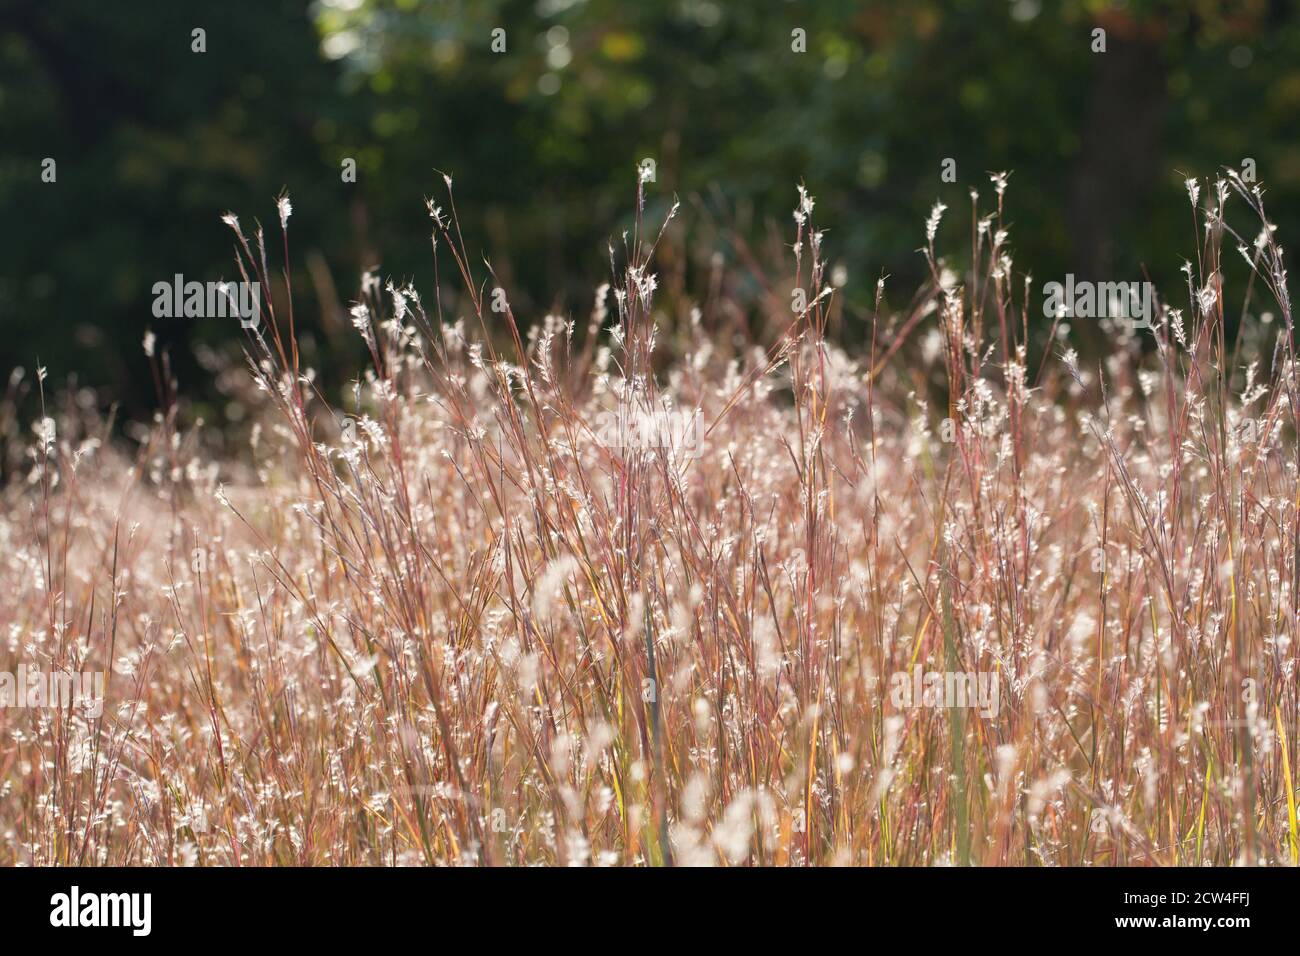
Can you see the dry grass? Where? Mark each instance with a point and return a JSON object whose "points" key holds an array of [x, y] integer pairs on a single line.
{"points": [[481, 632]]}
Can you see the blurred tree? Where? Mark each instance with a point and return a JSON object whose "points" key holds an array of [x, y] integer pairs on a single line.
{"points": [[735, 103], [152, 143], [545, 133]]}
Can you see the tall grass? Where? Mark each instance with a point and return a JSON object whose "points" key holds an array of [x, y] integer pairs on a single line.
{"points": [[452, 622]]}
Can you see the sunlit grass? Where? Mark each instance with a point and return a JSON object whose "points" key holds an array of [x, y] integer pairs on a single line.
{"points": [[452, 621]]}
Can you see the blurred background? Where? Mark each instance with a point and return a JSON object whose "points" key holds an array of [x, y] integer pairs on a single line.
{"points": [[153, 141]]}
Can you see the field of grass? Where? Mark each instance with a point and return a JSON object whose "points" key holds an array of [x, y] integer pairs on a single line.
{"points": [[616, 589]]}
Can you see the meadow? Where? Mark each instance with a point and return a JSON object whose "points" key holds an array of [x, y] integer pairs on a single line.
{"points": [[630, 588]]}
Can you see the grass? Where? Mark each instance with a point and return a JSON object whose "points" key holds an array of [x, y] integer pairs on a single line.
{"points": [[473, 615]]}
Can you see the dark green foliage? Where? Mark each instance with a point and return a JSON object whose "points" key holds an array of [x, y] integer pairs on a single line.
{"points": [[154, 142]]}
